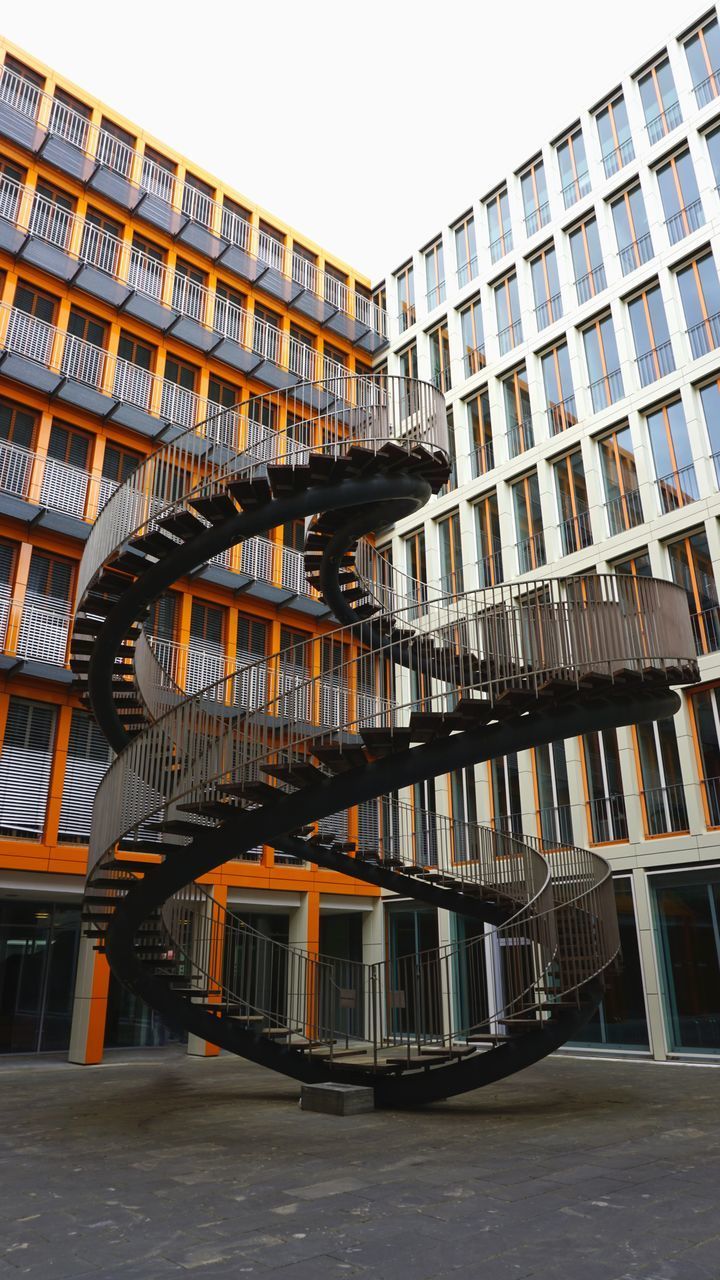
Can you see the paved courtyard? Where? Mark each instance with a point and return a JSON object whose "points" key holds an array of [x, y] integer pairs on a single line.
{"points": [[158, 1165]]}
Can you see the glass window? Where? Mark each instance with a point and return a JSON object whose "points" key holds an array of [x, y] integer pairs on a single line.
{"points": [[499, 229], [713, 146], [507, 310], [621, 1020], [558, 384], [416, 569], [700, 295], [603, 362], [710, 399], [705, 706], [535, 197], [116, 147], [189, 290], [587, 260], [439, 343], [554, 813], [662, 792], [405, 283], [466, 251], [703, 55], [680, 196], [236, 224], [408, 361], [622, 495], [473, 338], [505, 793], [614, 134], [70, 119], [25, 763], [435, 275], [687, 908], [451, 558], [198, 200], [518, 414], [691, 567], [672, 456], [52, 213], [603, 780], [482, 453], [487, 524], [636, 566], [659, 100], [571, 488], [528, 523], [158, 175], [88, 757], [653, 349], [631, 230], [546, 287], [572, 163]]}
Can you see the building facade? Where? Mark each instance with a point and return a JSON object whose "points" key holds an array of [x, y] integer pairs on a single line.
{"points": [[572, 317]]}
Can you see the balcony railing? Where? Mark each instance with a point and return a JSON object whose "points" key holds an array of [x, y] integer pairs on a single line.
{"points": [[685, 221], [467, 271], [490, 569], [474, 360], [510, 337], [678, 489], [706, 629], [537, 218], [500, 246], [618, 157], [592, 283], [705, 336], [624, 511], [707, 89], [606, 390], [531, 552], [44, 628], [665, 810], [655, 363], [435, 296], [555, 824], [635, 253], [575, 190], [663, 124], [576, 532], [442, 378], [105, 149], [608, 818], [711, 788], [482, 458], [562, 415], [548, 311], [407, 317], [521, 437]]}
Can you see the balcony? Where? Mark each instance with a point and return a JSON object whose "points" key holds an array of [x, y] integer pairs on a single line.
{"points": [[537, 218], [705, 336], [605, 391], [474, 360], [678, 489], [44, 627], [707, 89], [664, 123], [562, 415], [490, 569], [510, 337], [608, 819], [618, 157], [576, 532], [635, 253], [467, 271], [482, 458], [531, 552], [706, 629], [434, 297], [521, 437], [665, 810], [502, 245], [441, 378], [591, 284], [575, 190], [110, 166], [407, 317], [685, 221], [655, 363], [548, 311], [624, 511], [555, 824]]}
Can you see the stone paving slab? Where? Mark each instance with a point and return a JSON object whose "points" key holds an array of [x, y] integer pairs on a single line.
{"points": [[156, 1166]]}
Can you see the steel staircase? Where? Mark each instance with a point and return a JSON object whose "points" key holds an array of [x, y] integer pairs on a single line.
{"points": [[425, 683]]}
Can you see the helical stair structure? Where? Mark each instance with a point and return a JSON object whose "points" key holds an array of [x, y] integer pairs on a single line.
{"points": [[425, 683]]}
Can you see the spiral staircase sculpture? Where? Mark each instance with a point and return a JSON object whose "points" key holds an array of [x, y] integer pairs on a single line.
{"points": [[425, 683]]}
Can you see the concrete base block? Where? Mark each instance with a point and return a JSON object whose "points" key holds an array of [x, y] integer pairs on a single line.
{"points": [[337, 1099]]}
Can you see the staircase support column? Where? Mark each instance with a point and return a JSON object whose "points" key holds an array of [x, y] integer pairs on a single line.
{"points": [[87, 1035], [212, 937]]}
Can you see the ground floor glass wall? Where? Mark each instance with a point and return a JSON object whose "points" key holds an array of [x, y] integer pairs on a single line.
{"points": [[38, 957], [621, 1020], [686, 908]]}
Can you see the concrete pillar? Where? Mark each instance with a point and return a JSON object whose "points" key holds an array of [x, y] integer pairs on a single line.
{"points": [[87, 1034], [649, 965]]}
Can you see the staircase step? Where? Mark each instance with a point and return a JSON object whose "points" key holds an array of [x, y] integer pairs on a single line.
{"points": [[297, 775], [217, 507], [341, 758], [384, 742], [183, 525], [256, 792], [156, 543]]}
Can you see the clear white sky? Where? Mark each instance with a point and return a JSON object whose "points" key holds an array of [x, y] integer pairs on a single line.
{"points": [[367, 126]]}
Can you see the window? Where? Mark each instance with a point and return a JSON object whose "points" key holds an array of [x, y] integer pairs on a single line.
{"points": [[466, 251], [408, 361], [435, 275], [587, 260], [29, 329], [700, 294], [636, 566], [440, 357], [52, 214], [662, 792], [553, 795], [713, 146], [518, 414], [622, 495], [88, 757], [604, 789], [572, 163], [405, 281], [101, 245], [614, 134], [236, 223], [499, 229], [25, 764], [21, 87], [451, 557], [559, 394], [223, 425], [206, 651], [603, 362], [710, 399], [133, 379], [706, 722], [65, 480], [118, 465], [266, 333], [116, 147], [674, 468], [158, 175], [653, 349], [252, 647], [631, 230], [546, 287], [505, 795], [303, 356], [575, 527], [178, 401], [70, 119], [197, 200], [336, 287], [473, 338], [659, 100], [189, 290], [147, 267], [463, 803], [507, 310], [528, 523], [691, 567], [703, 55], [680, 196], [11, 179], [489, 545], [83, 353], [229, 316], [304, 267], [334, 361], [482, 455], [416, 569], [46, 612], [17, 434], [533, 188]]}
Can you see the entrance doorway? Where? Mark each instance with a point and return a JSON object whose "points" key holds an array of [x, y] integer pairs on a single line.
{"points": [[38, 957]]}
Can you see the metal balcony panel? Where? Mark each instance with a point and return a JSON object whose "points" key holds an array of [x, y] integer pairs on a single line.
{"points": [[312, 306], [10, 238], [273, 376], [128, 415], [266, 591], [198, 237], [314, 397], [222, 577], [85, 397], [45, 671], [65, 523], [48, 257], [63, 155], [241, 263], [149, 311], [307, 604], [158, 213], [277, 285], [372, 342], [235, 356], [345, 326], [102, 286], [19, 128], [114, 186], [18, 508], [29, 373], [188, 330]]}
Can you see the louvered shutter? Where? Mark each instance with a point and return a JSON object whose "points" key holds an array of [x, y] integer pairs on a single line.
{"points": [[25, 763]]}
